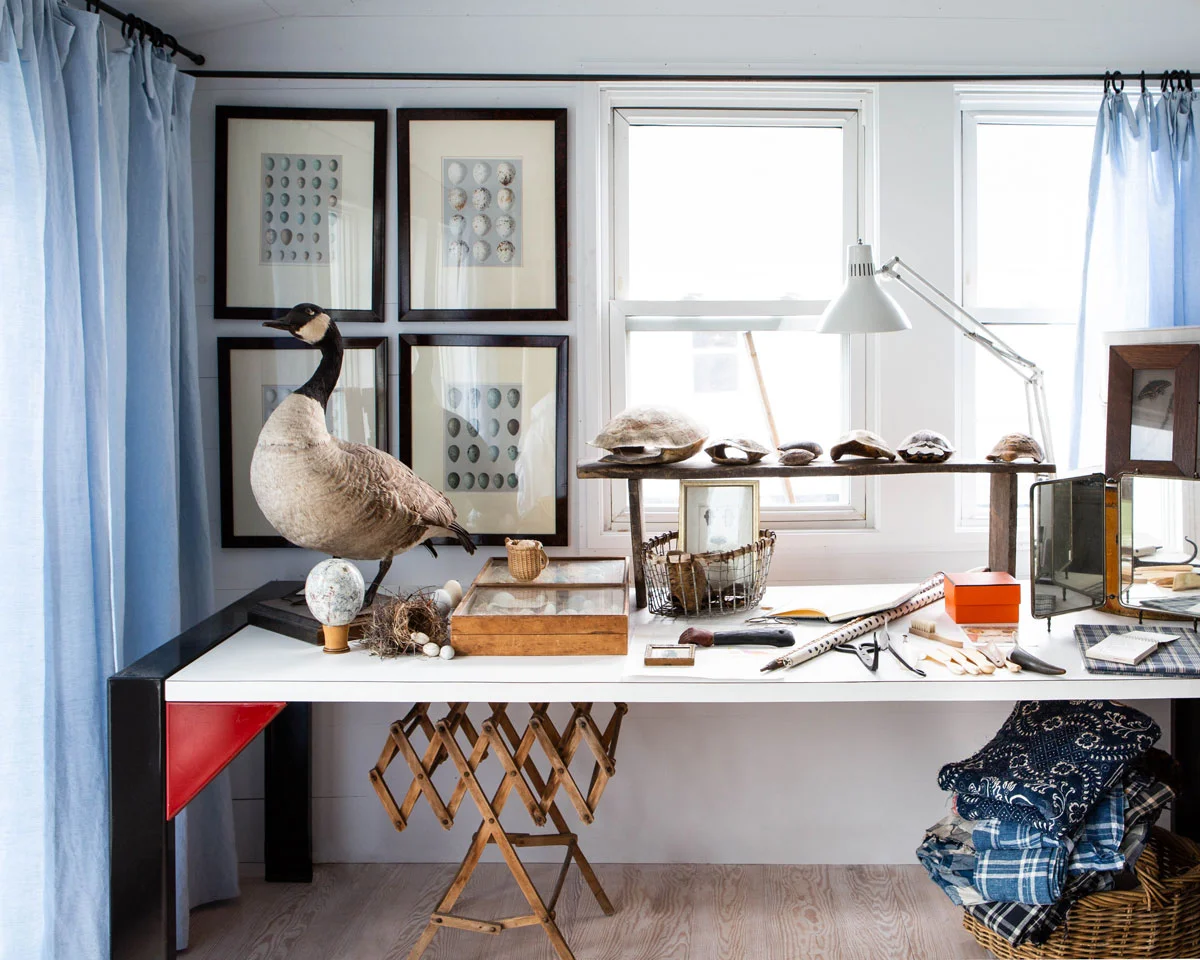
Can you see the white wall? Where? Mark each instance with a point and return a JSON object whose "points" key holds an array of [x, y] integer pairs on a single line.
{"points": [[850, 783]]}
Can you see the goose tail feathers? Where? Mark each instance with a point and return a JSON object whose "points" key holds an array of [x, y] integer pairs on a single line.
{"points": [[464, 538]]}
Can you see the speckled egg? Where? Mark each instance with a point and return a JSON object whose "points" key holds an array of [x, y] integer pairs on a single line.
{"points": [[457, 197], [431, 649], [506, 173], [505, 251], [481, 199], [505, 198], [505, 226], [458, 252], [481, 171], [481, 250], [481, 224], [455, 171], [458, 223], [334, 592]]}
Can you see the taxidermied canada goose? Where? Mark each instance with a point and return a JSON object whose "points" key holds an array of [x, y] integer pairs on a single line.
{"points": [[349, 500]]}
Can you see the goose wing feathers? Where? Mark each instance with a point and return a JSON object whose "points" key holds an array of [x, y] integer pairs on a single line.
{"points": [[389, 489]]}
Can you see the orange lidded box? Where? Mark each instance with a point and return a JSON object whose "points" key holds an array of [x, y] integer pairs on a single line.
{"points": [[983, 598]]}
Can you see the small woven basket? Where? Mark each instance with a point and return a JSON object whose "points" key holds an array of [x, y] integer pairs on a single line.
{"points": [[526, 559], [682, 584], [1161, 918]]}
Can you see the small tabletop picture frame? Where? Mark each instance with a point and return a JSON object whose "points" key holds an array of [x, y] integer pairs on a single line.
{"points": [[255, 375], [1153, 409], [716, 516], [482, 196], [484, 420], [299, 212]]}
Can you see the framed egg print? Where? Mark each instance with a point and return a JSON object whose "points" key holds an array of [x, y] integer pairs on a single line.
{"points": [[254, 375], [483, 214], [484, 419], [299, 212]]}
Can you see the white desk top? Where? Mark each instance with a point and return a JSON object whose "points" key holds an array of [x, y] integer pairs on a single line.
{"points": [[258, 665]]}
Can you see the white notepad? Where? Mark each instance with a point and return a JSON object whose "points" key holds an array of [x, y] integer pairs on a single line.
{"points": [[1129, 648]]}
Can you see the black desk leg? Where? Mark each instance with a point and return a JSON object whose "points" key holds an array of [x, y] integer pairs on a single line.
{"points": [[288, 791], [1185, 745], [141, 839]]}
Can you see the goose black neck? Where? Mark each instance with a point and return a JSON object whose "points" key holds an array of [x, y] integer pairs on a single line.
{"points": [[320, 385]]}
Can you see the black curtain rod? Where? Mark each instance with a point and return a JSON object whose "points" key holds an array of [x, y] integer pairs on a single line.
{"points": [[690, 78], [131, 24]]}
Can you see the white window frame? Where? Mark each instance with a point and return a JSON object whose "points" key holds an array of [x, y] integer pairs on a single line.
{"points": [[851, 110], [979, 104]]}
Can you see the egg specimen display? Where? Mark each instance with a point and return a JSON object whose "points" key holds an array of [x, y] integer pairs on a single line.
{"points": [[481, 224], [513, 396], [481, 250], [455, 396], [465, 404], [458, 223], [474, 395], [473, 453], [512, 451], [481, 199], [453, 452], [285, 181], [506, 173], [334, 592], [505, 251], [458, 252], [481, 171], [505, 226], [457, 198], [494, 453], [453, 480], [453, 426], [469, 480], [505, 198], [484, 480], [493, 397], [455, 172], [493, 427], [514, 427]]}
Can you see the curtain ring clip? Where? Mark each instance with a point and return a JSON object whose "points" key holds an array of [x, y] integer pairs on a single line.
{"points": [[1118, 82]]}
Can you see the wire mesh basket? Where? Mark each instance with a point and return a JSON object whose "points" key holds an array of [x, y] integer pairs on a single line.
{"points": [[682, 584]]}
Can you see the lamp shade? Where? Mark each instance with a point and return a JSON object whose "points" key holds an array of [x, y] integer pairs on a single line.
{"points": [[863, 306]]}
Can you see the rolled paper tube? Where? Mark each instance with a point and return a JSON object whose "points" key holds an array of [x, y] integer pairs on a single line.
{"points": [[337, 639]]}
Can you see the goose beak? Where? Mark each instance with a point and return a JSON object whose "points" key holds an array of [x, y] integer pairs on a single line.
{"points": [[278, 325]]}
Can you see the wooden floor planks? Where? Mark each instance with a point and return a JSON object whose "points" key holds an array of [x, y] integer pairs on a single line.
{"points": [[375, 911]]}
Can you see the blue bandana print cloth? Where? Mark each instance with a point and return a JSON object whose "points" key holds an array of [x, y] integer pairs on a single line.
{"points": [[1050, 763]]}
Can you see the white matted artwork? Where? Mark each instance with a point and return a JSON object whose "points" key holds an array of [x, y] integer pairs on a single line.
{"points": [[1152, 426], [717, 515], [485, 423], [299, 218], [256, 374], [482, 196]]}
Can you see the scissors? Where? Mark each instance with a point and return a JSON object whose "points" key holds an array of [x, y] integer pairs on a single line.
{"points": [[867, 650]]}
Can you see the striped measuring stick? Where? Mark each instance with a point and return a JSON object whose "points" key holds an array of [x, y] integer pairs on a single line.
{"points": [[930, 591]]}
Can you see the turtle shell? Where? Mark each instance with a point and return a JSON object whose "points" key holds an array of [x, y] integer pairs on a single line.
{"points": [[810, 445], [796, 456], [650, 435], [739, 451], [862, 443], [1016, 446], [925, 446]]}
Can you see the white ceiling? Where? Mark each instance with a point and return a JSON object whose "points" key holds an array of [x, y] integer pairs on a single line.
{"points": [[574, 35]]}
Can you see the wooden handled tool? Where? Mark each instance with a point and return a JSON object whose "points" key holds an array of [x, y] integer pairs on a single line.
{"points": [[1184, 581], [928, 629], [745, 637], [983, 663]]}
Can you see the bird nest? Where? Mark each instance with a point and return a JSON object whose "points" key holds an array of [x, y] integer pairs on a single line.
{"points": [[395, 620]]}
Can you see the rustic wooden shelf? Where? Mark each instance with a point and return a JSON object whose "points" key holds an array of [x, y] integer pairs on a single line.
{"points": [[1002, 525]]}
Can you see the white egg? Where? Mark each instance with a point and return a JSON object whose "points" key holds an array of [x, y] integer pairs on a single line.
{"points": [[506, 173], [550, 609], [505, 226], [503, 598], [482, 250], [481, 171], [431, 649], [481, 224], [505, 251], [458, 223], [457, 197], [455, 171], [506, 198], [447, 652], [420, 639], [441, 600], [454, 588], [458, 252]]}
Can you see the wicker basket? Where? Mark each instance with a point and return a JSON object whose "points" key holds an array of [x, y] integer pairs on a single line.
{"points": [[1161, 918], [526, 559], [682, 584]]}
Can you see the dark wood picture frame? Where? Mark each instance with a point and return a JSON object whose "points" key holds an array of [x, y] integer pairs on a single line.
{"points": [[222, 308], [559, 537], [225, 347], [1183, 359], [404, 201]]}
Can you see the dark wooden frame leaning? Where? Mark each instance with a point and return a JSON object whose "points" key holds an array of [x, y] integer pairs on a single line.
{"points": [[222, 309], [1184, 360], [225, 346], [404, 201], [557, 537]]}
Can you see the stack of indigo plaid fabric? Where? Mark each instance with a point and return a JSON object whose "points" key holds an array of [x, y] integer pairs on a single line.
{"points": [[1057, 805]]}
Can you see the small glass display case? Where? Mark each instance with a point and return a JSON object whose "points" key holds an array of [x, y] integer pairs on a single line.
{"points": [[577, 606]]}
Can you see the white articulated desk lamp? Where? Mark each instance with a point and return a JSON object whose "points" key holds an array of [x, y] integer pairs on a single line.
{"points": [[864, 306]]}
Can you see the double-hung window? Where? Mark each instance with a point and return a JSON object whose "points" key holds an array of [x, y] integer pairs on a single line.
{"points": [[729, 229], [1025, 161]]}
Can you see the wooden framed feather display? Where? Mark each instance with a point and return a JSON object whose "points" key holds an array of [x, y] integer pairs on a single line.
{"points": [[254, 376], [484, 420]]}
